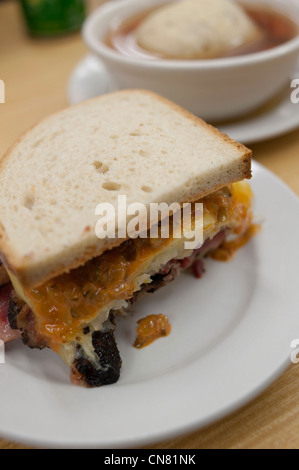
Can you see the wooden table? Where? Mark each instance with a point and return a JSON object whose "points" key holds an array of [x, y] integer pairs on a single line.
{"points": [[36, 73]]}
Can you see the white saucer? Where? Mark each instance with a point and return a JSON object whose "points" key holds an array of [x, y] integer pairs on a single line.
{"points": [[90, 78]]}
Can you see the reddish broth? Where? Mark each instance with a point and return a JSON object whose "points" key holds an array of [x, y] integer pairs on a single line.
{"points": [[278, 29]]}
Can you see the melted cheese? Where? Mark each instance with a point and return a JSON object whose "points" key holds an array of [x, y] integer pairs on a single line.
{"points": [[85, 296]]}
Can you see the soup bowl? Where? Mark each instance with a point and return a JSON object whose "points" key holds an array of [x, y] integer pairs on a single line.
{"points": [[214, 89]]}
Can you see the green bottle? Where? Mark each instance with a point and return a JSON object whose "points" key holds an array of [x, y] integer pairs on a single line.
{"points": [[53, 17]]}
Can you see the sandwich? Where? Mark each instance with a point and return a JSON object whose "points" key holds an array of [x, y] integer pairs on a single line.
{"points": [[66, 284]]}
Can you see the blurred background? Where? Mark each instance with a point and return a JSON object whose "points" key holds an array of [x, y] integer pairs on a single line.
{"points": [[34, 68], [52, 17]]}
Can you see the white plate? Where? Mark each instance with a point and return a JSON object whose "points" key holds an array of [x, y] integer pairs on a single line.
{"points": [[231, 335], [90, 78]]}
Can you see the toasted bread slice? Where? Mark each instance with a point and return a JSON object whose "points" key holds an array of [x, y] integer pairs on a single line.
{"points": [[132, 143]]}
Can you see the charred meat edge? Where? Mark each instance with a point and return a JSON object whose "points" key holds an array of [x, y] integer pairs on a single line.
{"points": [[84, 372], [107, 371]]}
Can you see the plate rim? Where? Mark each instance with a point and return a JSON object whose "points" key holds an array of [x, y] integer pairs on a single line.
{"points": [[135, 443]]}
